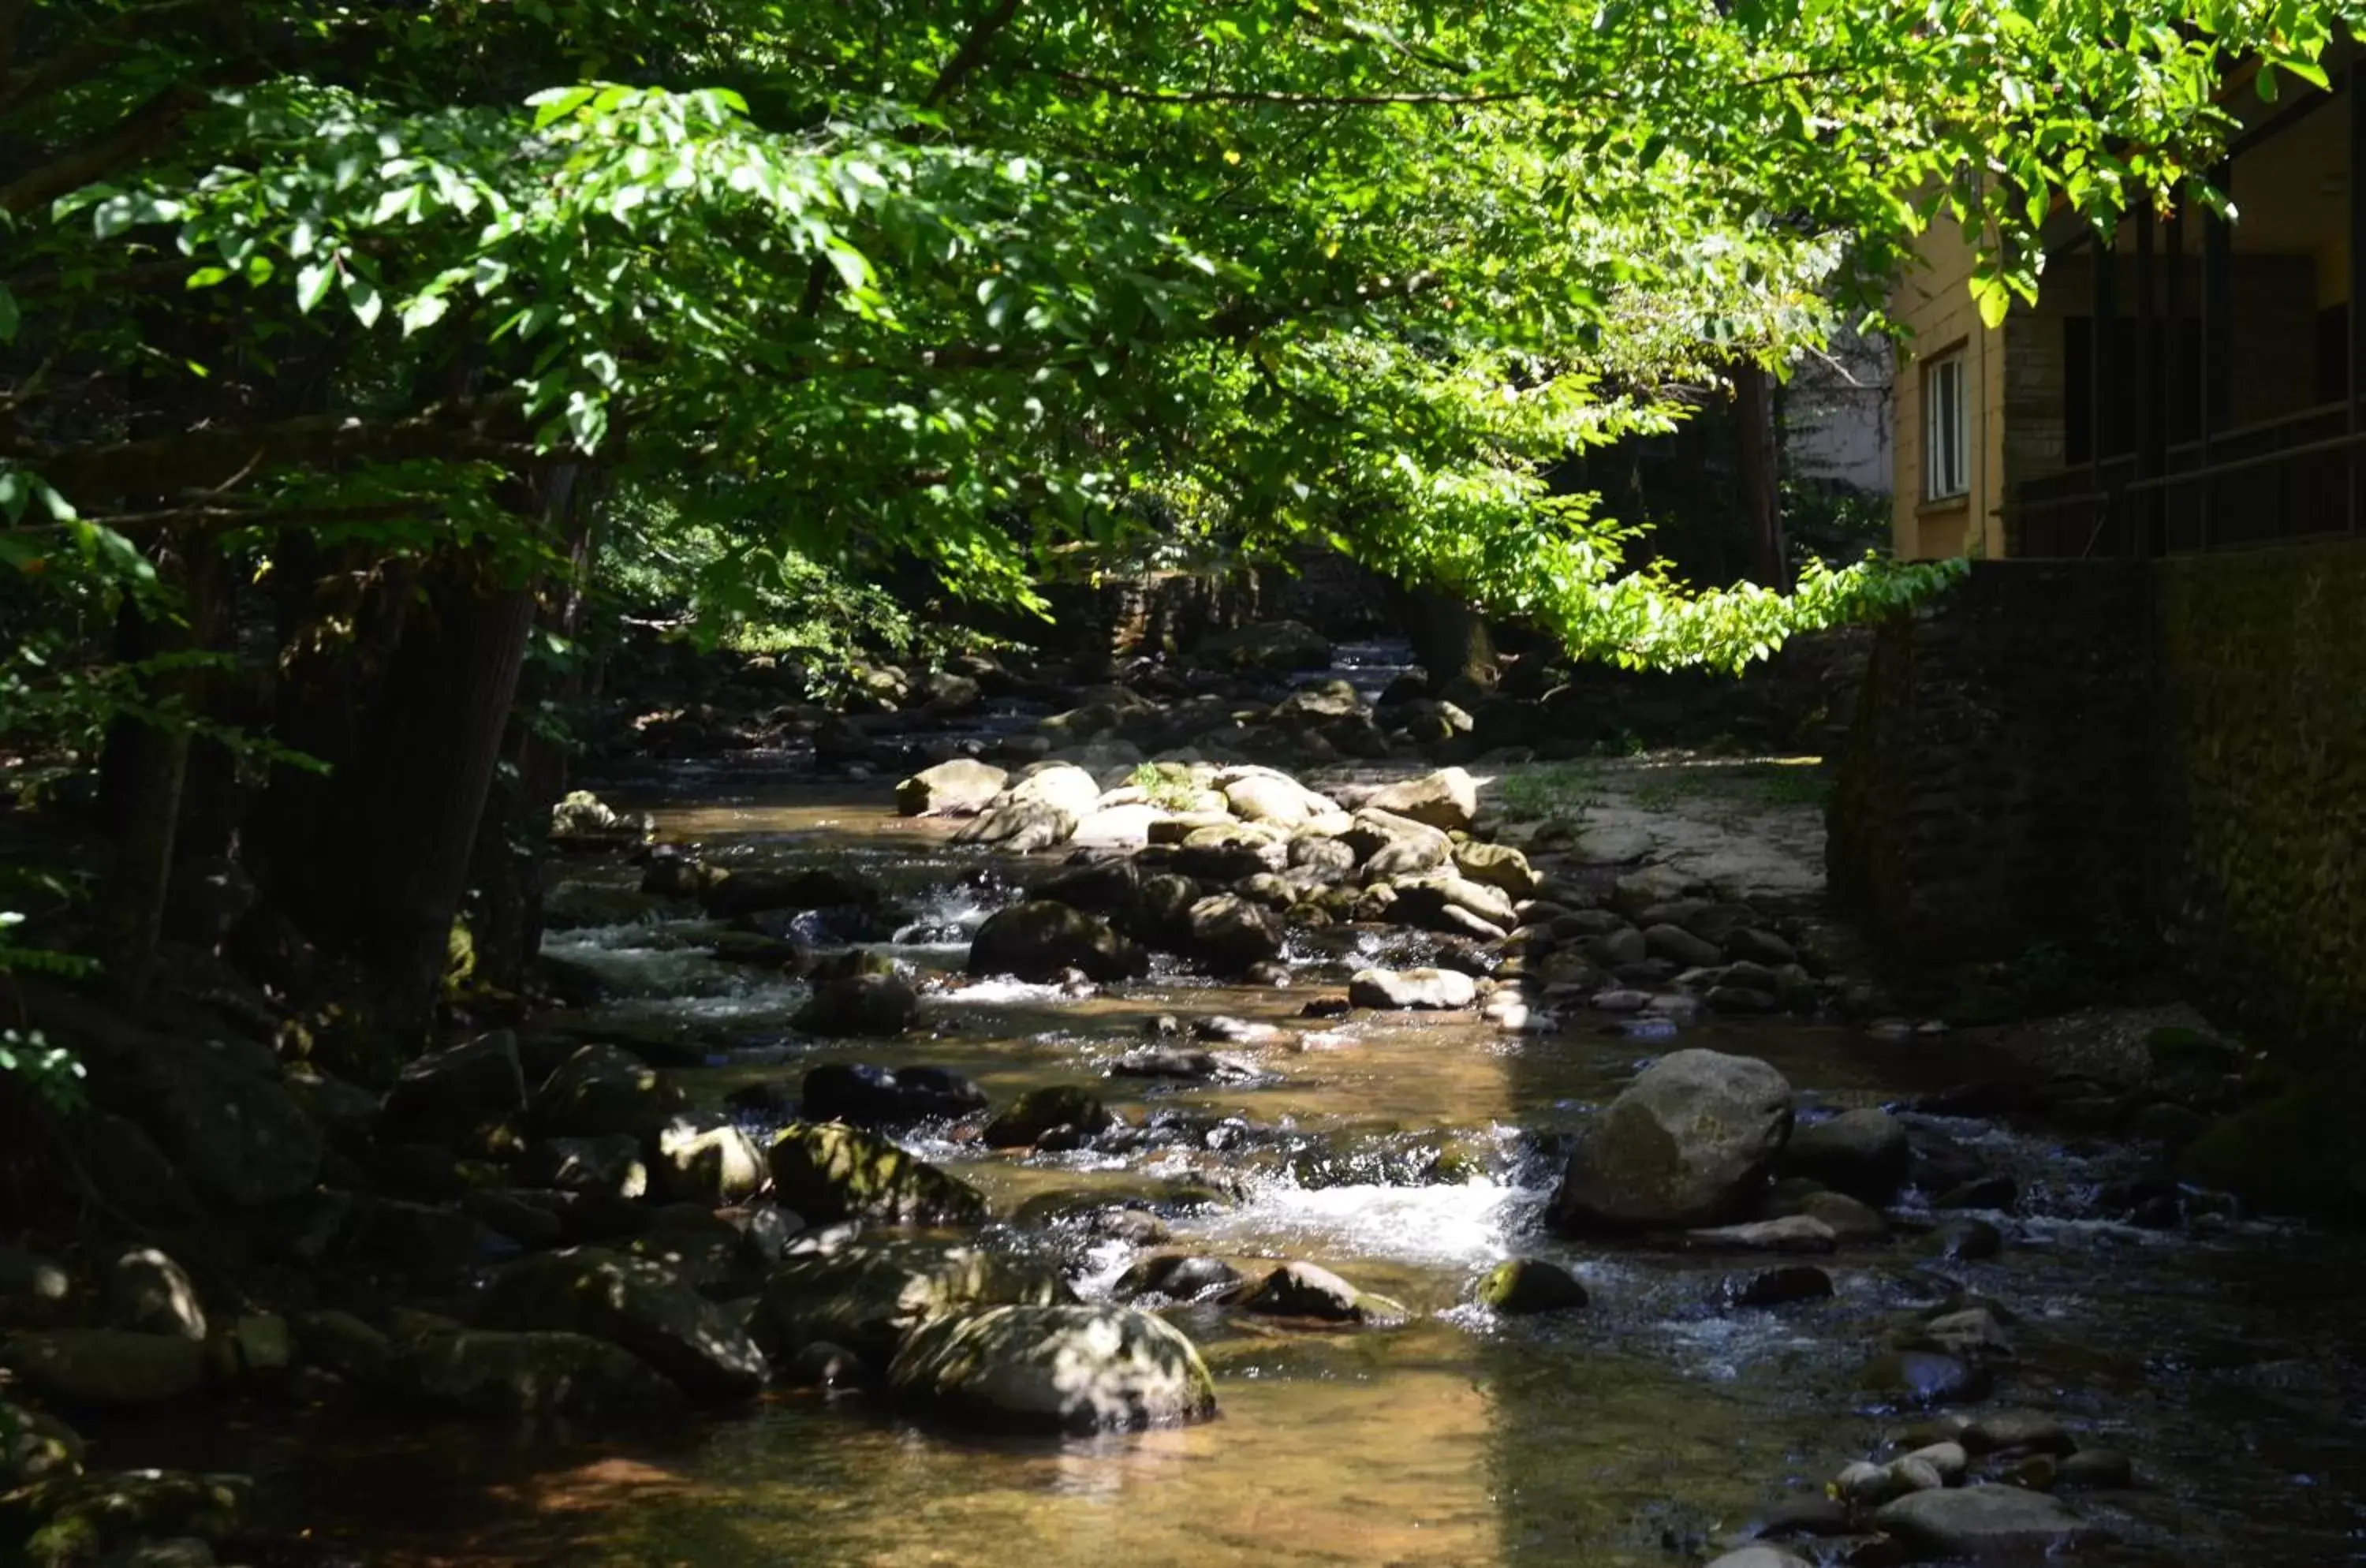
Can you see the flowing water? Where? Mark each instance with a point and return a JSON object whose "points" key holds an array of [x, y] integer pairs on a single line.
{"points": [[2227, 1357]]}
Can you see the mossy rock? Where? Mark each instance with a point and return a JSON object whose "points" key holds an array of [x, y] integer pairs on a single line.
{"points": [[1521, 1285], [2175, 1052], [827, 1172], [2298, 1153], [76, 1518]]}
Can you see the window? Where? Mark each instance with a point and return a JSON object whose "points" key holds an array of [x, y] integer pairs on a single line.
{"points": [[1946, 441]]}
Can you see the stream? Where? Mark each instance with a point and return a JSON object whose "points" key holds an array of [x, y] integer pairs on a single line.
{"points": [[1407, 1153]]}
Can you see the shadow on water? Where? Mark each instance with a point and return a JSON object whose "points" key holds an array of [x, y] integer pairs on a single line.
{"points": [[1633, 1433]]}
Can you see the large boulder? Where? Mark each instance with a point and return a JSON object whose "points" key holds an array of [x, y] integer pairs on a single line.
{"points": [[827, 1173], [867, 1096], [1229, 933], [867, 1296], [632, 1302], [1041, 809], [1272, 646], [1690, 1142], [549, 1373], [1304, 1290], [1055, 1369], [1041, 940], [962, 787], [1425, 900], [606, 1090], [106, 1367], [866, 1005], [1448, 798], [217, 1107], [446, 1096], [1442, 990]]}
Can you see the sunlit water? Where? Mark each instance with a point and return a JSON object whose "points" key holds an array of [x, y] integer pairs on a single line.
{"points": [[1636, 1432]]}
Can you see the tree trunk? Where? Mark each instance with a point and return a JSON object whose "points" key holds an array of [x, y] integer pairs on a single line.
{"points": [[1449, 638], [1761, 504], [144, 767], [401, 821], [512, 851]]}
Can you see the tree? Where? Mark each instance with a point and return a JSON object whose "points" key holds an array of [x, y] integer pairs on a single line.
{"points": [[339, 296]]}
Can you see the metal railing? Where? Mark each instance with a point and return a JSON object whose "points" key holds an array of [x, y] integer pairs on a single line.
{"points": [[2296, 477]]}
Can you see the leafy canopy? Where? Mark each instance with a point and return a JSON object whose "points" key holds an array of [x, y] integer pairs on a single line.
{"points": [[986, 281]]}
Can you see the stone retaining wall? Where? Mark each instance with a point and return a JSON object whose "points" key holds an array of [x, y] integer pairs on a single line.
{"points": [[2100, 755]]}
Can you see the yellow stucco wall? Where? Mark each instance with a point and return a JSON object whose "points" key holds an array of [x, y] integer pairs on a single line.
{"points": [[1935, 304]]}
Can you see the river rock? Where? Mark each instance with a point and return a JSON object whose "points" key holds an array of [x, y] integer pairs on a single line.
{"points": [[217, 1107], [1177, 1276], [147, 1292], [1690, 1142], [610, 1166], [1926, 1377], [1435, 989], [1780, 1287], [866, 1096], [1964, 1241], [35, 1447], [1055, 1369], [115, 1518], [602, 1090], [1303, 1289], [868, 1296], [1851, 1222], [1041, 809], [1499, 866], [1041, 940], [1761, 1557], [1793, 1233], [1183, 1063], [2028, 1431], [345, 1346], [634, 1303], [34, 1290], [1421, 900], [441, 1095], [962, 787], [1261, 794], [729, 895], [1678, 947], [869, 1006], [106, 1367], [1448, 798], [1983, 1523], [827, 1173], [711, 1165], [1521, 1285], [1027, 1119], [545, 1374], [1862, 1153], [1228, 933]]}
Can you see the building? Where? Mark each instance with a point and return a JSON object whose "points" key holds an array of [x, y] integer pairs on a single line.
{"points": [[2195, 386]]}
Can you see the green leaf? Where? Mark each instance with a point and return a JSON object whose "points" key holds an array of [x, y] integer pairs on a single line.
{"points": [[556, 103], [313, 281], [363, 296], [207, 276]]}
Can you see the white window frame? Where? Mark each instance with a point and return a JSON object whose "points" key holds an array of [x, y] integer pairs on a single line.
{"points": [[1946, 428]]}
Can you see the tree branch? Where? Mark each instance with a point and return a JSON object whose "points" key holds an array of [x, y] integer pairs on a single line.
{"points": [[209, 459], [972, 52], [144, 131], [1259, 96]]}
